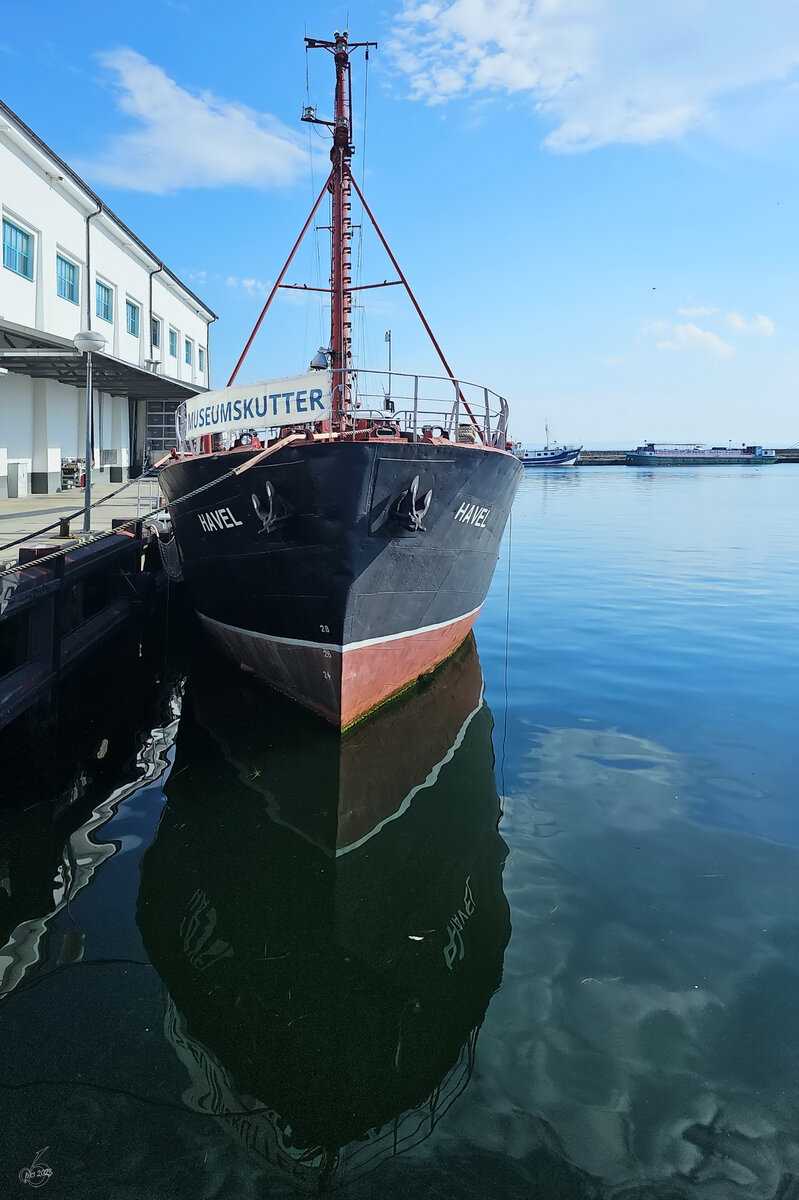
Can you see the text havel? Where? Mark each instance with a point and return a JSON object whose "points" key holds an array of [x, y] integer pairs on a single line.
{"points": [[218, 518], [472, 514], [455, 948]]}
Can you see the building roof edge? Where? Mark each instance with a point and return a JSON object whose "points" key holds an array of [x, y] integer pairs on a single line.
{"points": [[92, 195]]}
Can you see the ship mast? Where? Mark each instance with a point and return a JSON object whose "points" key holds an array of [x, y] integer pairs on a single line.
{"points": [[340, 184], [341, 249], [341, 230]]}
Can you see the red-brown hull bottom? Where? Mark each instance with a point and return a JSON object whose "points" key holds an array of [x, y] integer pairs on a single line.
{"points": [[343, 686]]}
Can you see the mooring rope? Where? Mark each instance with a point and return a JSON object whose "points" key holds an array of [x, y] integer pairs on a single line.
{"points": [[507, 659], [27, 537], [79, 543]]}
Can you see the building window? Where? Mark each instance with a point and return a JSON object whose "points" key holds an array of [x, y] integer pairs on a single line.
{"points": [[67, 279], [173, 343], [200, 359], [188, 353], [132, 318], [161, 434], [17, 250], [105, 301], [155, 332]]}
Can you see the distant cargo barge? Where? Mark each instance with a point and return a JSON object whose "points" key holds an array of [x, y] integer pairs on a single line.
{"points": [[658, 454]]}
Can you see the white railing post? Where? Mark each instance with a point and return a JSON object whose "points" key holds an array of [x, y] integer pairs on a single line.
{"points": [[415, 407]]}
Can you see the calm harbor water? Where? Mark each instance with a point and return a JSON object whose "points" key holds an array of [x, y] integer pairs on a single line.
{"points": [[532, 931]]}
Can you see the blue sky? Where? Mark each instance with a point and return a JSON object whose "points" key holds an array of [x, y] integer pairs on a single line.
{"points": [[595, 201]]}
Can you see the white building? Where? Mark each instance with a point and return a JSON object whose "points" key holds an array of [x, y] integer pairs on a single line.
{"points": [[70, 264]]}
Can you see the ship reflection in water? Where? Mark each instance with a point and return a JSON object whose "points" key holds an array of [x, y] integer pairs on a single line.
{"points": [[328, 917]]}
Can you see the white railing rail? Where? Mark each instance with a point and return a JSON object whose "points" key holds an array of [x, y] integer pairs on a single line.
{"points": [[148, 495]]}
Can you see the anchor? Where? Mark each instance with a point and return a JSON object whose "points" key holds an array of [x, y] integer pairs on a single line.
{"points": [[411, 508], [266, 515]]}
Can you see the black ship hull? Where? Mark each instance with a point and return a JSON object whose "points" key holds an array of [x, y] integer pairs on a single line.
{"points": [[341, 571]]}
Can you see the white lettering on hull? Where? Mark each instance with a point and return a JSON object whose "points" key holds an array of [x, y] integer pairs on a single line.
{"points": [[216, 519], [472, 514], [455, 948]]}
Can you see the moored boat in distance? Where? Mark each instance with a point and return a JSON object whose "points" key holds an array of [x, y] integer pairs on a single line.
{"points": [[336, 542], [695, 454], [551, 455]]}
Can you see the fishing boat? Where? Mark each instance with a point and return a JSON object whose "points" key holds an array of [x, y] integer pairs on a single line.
{"points": [[696, 454], [337, 541], [552, 454]]}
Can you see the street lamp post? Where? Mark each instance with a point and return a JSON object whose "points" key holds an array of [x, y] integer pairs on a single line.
{"points": [[87, 341]]}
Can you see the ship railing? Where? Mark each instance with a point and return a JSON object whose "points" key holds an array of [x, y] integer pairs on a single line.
{"points": [[148, 494], [462, 410], [413, 406]]}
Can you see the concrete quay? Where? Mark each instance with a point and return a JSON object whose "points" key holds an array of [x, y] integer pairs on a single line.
{"points": [[29, 514], [61, 598]]}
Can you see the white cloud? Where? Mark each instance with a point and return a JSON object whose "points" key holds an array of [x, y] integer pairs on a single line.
{"points": [[688, 336], [187, 139], [600, 71], [253, 287], [691, 337], [764, 326], [696, 312]]}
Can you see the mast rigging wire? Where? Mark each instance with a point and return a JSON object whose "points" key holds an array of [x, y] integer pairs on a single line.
{"points": [[359, 252]]}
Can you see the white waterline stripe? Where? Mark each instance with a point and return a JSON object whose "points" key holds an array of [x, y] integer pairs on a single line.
{"points": [[391, 637], [432, 776]]}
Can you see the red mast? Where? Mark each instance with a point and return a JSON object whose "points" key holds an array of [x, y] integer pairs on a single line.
{"points": [[341, 251], [339, 184]]}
